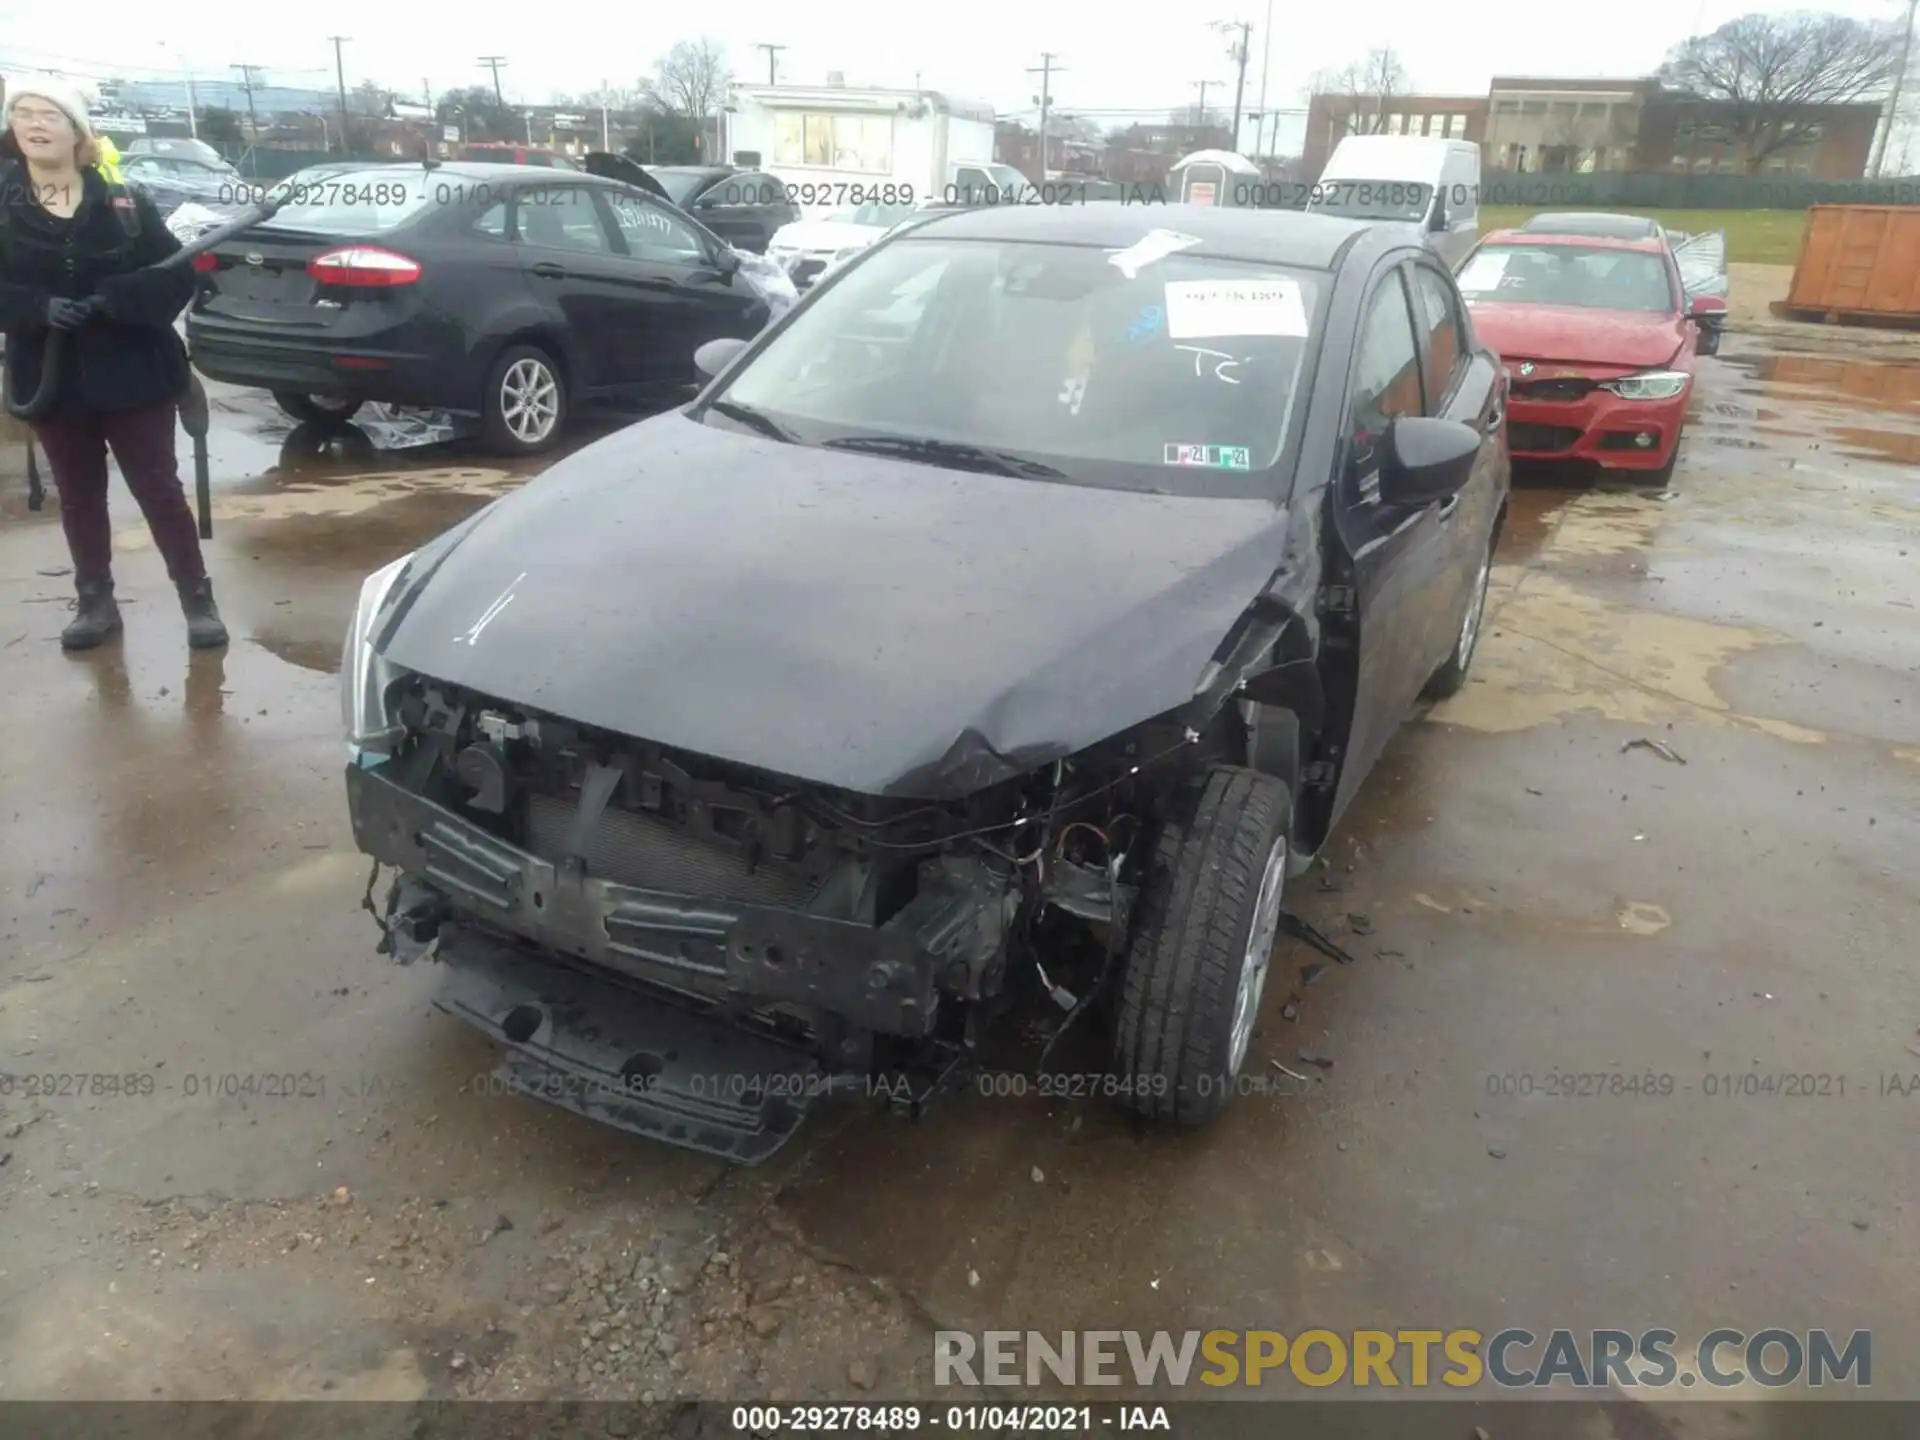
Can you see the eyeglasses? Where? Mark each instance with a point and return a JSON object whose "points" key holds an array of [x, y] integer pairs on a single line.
{"points": [[45, 117]]}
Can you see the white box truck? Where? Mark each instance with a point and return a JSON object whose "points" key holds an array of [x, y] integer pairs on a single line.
{"points": [[1417, 179]]}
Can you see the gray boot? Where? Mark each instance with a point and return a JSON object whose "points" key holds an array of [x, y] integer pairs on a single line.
{"points": [[205, 630], [96, 617]]}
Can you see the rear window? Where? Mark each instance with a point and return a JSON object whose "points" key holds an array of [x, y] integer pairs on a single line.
{"points": [[356, 202]]}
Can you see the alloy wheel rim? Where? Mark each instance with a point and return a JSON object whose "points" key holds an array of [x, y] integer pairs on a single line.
{"points": [[529, 400], [1470, 627], [1258, 958]]}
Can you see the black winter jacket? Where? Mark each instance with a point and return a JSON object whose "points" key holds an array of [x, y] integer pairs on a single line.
{"points": [[126, 358]]}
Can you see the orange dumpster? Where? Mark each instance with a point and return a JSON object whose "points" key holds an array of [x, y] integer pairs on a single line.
{"points": [[1859, 263]]}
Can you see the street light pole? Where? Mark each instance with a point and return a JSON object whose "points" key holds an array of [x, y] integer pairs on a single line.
{"points": [[1893, 100]]}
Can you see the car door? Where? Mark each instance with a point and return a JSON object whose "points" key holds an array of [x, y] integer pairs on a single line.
{"points": [[744, 209], [572, 263], [1461, 382], [690, 300], [1398, 552]]}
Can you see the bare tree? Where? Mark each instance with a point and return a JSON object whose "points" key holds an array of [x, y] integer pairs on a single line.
{"points": [[691, 78], [1762, 74], [1363, 91]]}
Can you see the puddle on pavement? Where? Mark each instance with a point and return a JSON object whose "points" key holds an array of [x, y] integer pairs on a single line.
{"points": [[1838, 392], [1554, 651]]}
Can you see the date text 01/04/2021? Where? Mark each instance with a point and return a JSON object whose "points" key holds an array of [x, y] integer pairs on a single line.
{"points": [[1724, 1084], [141, 1084]]}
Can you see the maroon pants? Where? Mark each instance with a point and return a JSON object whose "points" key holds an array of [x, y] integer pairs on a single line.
{"points": [[143, 442]]}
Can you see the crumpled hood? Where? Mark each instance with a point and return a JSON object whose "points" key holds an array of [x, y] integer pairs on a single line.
{"points": [[1575, 334], [886, 627], [824, 235]]}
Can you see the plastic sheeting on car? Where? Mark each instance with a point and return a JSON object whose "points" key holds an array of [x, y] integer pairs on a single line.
{"points": [[1702, 260]]}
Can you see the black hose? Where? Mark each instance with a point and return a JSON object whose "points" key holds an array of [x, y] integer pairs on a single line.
{"points": [[53, 355]]}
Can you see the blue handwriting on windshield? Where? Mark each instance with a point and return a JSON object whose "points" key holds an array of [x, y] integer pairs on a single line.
{"points": [[1147, 324]]}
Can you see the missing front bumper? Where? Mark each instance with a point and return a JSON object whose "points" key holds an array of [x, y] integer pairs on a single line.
{"points": [[639, 1064]]}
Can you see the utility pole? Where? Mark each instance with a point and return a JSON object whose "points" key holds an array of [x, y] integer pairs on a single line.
{"points": [[253, 119], [773, 55], [1266, 56], [605, 143], [1046, 70], [493, 63], [1200, 111], [1238, 51], [340, 78], [1893, 100]]}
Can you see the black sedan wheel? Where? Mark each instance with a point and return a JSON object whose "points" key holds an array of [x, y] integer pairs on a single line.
{"points": [[1451, 676], [315, 409], [1197, 966], [526, 401]]}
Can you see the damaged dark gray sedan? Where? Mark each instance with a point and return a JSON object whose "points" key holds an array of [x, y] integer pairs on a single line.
{"points": [[1012, 620]]}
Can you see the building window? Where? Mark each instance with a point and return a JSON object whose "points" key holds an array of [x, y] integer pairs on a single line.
{"points": [[861, 143], [1456, 125]]}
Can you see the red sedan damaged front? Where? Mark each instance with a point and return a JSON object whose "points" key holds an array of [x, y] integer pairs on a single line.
{"points": [[1599, 350]]}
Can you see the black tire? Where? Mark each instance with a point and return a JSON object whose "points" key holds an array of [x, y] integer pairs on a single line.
{"points": [[1664, 475], [315, 409], [1174, 1030], [517, 368], [1452, 675]]}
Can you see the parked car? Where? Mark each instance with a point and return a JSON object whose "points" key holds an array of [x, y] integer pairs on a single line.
{"points": [[174, 180], [1013, 618], [1599, 339], [174, 146], [507, 292], [807, 247], [743, 207]]}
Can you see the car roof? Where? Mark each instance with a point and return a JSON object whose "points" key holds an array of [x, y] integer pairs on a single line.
{"points": [[1592, 222], [691, 169], [1277, 237], [1644, 244]]}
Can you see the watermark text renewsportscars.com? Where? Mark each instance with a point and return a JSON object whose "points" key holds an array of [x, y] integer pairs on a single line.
{"points": [[1511, 1358]]}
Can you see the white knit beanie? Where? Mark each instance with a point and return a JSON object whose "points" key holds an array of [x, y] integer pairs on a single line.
{"points": [[56, 92]]}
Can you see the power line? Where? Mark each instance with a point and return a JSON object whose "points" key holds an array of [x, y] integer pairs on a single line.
{"points": [[773, 55], [493, 63]]}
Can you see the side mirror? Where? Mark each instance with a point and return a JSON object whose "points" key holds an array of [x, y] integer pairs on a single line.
{"points": [[727, 262], [1426, 460], [714, 356], [1707, 307]]}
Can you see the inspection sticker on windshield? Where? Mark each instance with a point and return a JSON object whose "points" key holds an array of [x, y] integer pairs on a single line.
{"points": [[1210, 309], [1211, 457]]}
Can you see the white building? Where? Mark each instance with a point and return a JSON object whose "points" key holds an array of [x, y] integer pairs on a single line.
{"points": [[833, 145]]}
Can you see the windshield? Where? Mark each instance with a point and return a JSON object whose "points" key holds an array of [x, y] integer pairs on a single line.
{"points": [[679, 184], [327, 201], [1589, 277], [1372, 199], [1178, 378], [874, 212]]}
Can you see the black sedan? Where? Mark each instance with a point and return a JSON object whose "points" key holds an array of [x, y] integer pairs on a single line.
{"points": [[173, 180], [742, 207], [510, 292], [1012, 620]]}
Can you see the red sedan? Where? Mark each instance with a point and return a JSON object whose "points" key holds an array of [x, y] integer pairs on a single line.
{"points": [[1599, 342]]}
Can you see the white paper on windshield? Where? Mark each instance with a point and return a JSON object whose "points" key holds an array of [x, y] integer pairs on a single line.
{"points": [[1152, 246], [1483, 272], [1210, 309]]}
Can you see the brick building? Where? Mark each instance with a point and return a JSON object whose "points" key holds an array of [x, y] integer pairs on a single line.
{"points": [[1549, 124], [1333, 117]]}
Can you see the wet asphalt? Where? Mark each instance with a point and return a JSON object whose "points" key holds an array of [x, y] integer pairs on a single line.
{"points": [[1527, 894]]}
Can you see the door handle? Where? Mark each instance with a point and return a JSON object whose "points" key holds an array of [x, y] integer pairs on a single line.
{"points": [[1447, 507], [547, 270], [1494, 418]]}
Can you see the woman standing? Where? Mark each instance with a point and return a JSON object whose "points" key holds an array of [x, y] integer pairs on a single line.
{"points": [[75, 256]]}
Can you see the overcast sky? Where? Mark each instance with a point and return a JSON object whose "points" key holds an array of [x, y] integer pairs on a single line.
{"points": [[1120, 61]]}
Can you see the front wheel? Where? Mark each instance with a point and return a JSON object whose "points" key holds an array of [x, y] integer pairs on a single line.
{"points": [[1197, 965], [315, 409], [1452, 675], [525, 404]]}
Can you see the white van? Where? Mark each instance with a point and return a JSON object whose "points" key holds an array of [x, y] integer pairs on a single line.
{"points": [[1424, 181]]}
